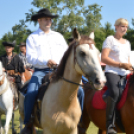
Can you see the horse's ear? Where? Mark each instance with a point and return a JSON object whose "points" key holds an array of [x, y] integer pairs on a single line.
{"points": [[76, 34], [91, 35]]}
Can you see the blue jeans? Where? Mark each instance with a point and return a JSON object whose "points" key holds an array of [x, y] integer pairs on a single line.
{"points": [[84, 80], [32, 92]]}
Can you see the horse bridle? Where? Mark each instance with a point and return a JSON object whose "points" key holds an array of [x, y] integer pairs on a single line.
{"points": [[75, 62]]}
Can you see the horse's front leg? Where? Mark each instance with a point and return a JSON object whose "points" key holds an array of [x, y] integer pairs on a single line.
{"points": [[8, 119], [84, 123], [21, 123], [13, 130]]}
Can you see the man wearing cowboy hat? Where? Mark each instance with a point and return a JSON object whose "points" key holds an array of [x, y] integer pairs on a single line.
{"points": [[44, 49], [22, 55], [12, 64]]}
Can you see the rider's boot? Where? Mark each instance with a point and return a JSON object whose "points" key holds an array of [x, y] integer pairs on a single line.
{"points": [[28, 129], [110, 115]]}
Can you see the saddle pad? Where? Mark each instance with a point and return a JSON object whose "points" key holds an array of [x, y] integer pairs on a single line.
{"points": [[99, 103]]}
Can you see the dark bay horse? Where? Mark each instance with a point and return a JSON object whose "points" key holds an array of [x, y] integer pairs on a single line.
{"points": [[98, 117]]}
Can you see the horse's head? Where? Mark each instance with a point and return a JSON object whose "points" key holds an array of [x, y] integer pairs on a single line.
{"points": [[86, 57]]}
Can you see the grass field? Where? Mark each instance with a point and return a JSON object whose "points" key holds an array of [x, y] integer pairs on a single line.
{"points": [[91, 130]]}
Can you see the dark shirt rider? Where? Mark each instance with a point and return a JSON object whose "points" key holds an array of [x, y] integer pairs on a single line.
{"points": [[12, 64]]}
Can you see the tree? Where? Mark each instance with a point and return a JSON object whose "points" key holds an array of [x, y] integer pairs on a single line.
{"points": [[99, 38], [19, 34], [130, 35], [108, 29], [93, 16], [71, 14]]}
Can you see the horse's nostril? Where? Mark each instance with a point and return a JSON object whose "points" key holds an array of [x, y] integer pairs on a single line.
{"points": [[97, 81]]}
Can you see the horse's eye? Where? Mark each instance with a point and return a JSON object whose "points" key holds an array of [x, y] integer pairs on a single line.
{"points": [[82, 54]]}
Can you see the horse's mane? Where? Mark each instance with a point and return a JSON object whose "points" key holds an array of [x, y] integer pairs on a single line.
{"points": [[61, 67]]}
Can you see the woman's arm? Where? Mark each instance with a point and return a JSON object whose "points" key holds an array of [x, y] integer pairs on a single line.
{"points": [[105, 59]]}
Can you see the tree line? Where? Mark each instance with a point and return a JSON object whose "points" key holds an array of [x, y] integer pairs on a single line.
{"points": [[71, 14]]}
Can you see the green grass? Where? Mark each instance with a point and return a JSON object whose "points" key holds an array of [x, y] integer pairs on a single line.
{"points": [[91, 130]]}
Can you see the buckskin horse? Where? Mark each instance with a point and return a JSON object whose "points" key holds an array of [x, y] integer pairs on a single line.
{"points": [[94, 110], [60, 108]]}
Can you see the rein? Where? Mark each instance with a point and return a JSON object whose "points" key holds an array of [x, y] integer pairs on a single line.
{"points": [[71, 82]]}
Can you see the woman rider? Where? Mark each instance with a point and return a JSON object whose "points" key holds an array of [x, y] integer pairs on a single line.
{"points": [[116, 56]]}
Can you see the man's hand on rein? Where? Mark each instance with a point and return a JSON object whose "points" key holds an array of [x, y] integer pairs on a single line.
{"points": [[51, 63]]}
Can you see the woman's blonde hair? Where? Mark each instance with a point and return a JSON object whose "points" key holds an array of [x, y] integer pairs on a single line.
{"points": [[121, 21]]}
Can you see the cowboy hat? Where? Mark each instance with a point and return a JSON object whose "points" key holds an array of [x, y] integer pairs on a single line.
{"points": [[43, 13], [12, 44], [22, 44]]}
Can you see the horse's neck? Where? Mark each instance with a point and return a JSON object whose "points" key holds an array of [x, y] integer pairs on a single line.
{"points": [[70, 89], [1, 72], [3, 86]]}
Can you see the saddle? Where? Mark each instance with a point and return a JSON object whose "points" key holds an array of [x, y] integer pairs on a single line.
{"points": [[99, 98], [12, 73]]}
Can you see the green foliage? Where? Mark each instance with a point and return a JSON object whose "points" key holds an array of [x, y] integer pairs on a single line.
{"points": [[71, 14], [19, 34], [130, 36], [107, 29], [99, 38], [93, 16]]}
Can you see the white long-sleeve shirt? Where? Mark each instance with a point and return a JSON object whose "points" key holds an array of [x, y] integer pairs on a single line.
{"points": [[42, 47]]}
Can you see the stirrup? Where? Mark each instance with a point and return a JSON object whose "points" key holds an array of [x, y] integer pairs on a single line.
{"points": [[111, 130]]}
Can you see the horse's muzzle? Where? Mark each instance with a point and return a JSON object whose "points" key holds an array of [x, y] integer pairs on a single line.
{"points": [[99, 84]]}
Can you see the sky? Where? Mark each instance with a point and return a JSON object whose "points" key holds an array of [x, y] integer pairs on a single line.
{"points": [[11, 11]]}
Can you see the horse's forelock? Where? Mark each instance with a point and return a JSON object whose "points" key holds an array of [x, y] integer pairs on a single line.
{"points": [[86, 40]]}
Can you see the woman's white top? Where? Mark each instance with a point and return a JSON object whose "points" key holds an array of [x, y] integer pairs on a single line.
{"points": [[119, 53]]}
